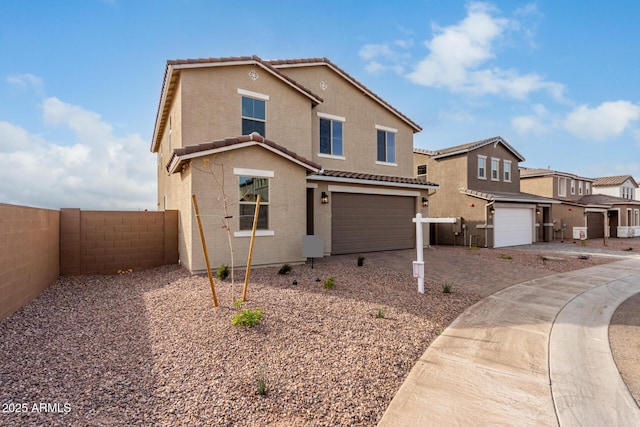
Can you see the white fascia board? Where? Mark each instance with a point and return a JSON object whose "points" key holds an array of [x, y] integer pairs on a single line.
{"points": [[370, 182], [259, 173]]}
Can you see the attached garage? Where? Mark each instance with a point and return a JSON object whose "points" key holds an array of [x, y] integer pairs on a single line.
{"points": [[512, 226], [371, 222], [595, 225]]}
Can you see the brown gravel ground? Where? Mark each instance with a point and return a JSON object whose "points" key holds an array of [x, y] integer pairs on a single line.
{"points": [[148, 348]]}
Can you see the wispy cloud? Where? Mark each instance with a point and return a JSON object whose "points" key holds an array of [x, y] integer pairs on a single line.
{"points": [[608, 120], [460, 58], [392, 56], [27, 81]]}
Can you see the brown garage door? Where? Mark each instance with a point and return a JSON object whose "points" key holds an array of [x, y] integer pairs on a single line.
{"points": [[595, 225], [368, 223]]}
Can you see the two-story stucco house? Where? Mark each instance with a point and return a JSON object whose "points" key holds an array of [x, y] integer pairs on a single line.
{"points": [[327, 156], [584, 206], [480, 184]]}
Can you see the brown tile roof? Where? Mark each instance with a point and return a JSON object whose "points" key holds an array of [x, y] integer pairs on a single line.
{"points": [[288, 63], [613, 181], [500, 196], [181, 156], [605, 199], [470, 146], [372, 177], [537, 172]]}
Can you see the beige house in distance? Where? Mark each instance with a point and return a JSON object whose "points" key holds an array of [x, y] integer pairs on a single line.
{"points": [[480, 185], [328, 157]]}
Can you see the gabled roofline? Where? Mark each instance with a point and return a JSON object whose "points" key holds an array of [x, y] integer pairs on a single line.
{"points": [[539, 172], [471, 146], [312, 62], [616, 180], [172, 72], [508, 197], [181, 156]]}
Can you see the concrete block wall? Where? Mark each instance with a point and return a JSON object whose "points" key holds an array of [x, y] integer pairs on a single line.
{"points": [[105, 242], [29, 254]]}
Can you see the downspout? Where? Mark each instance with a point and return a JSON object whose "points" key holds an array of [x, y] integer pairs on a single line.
{"points": [[486, 221]]}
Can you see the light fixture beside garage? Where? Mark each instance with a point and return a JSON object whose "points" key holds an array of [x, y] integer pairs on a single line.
{"points": [[425, 201], [492, 210], [324, 198], [538, 211]]}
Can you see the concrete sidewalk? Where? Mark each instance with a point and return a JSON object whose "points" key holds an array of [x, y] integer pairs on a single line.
{"points": [[536, 353]]}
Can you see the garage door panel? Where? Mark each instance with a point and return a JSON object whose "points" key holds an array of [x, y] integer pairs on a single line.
{"points": [[367, 223], [513, 226]]}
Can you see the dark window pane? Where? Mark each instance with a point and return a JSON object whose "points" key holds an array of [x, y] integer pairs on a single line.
{"points": [[246, 216], [259, 109], [422, 169], [391, 147], [325, 136], [337, 138], [247, 107], [250, 126], [381, 146]]}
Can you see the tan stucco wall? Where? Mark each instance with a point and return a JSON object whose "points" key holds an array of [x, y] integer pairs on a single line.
{"points": [[166, 149], [287, 213], [362, 114], [542, 186], [210, 96], [29, 254]]}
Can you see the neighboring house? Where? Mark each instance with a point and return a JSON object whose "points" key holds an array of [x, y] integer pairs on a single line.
{"points": [[623, 186], [480, 184], [328, 157], [571, 213], [581, 209]]}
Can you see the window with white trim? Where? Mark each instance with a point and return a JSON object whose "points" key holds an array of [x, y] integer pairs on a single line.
{"points": [[249, 189], [331, 137], [422, 171], [636, 213], [254, 115], [573, 186], [386, 146], [482, 167], [587, 188], [495, 169], [580, 188], [562, 187], [506, 173]]}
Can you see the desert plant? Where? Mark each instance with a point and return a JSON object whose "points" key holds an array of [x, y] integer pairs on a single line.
{"points": [[237, 303], [502, 256], [223, 272], [446, 288], [360, 261], [285, 269], [249, 317], [380, 314], [262, 388], [329, 283]]}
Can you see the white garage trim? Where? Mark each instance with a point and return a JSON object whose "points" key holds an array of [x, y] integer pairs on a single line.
{"points": [[513, 226]]}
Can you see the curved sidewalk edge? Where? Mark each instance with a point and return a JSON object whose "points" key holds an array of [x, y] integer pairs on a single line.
{"points": [[505, 359]]}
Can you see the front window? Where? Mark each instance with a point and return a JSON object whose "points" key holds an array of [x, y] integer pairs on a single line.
{"points": [[422, 170], [249, 188], [495, 166], [580, 188], [254, 115], [507, 171], [587, 188], [482, 167], [386, 146], [573, 186], [331, 137]]}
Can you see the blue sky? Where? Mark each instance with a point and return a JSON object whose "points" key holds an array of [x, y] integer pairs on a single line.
{"points": [[80, 80]]}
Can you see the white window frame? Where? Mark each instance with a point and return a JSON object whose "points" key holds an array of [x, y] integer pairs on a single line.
{"points": [[255, 173], [394, 131], [257, 96], [573, 187], [580, 188], [482, 175], [587, 189], [636, 217], [332, 118], [495, 162], [506, 170], [562, 187], [426, 170]]}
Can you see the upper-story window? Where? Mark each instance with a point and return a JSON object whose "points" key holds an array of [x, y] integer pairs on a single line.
{"points": [[507, 170], [562, 187], [495, 169], [331, 135], [421, 172], [580, 188], [386, 144], [573, 186], [482, 167], [587, 188], [254, 112]]}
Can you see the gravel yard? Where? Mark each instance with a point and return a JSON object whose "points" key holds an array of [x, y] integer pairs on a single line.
{"points": [[149, 347]]}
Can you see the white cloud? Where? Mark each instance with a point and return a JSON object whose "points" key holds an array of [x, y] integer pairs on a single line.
{"points": [[605, 121], [25, 81], [458, 53], [538, 123], [96, 169], [386, 56]]}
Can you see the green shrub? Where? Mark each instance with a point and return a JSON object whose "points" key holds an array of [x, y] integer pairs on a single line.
{"points": [[223, 272], [329, 283], [249, 317], [285, 269], [446, 288], [360, 261], [262, 388], [380, 314]]}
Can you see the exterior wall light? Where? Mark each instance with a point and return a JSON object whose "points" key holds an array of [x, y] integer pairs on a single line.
{"points": [[538, 211], [425, 201], [492, 210], [324, 198]]}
